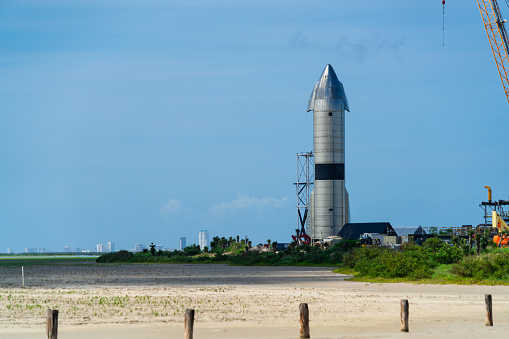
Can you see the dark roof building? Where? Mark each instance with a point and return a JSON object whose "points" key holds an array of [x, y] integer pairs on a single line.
{"points": [[409, 230], [354, 230]]}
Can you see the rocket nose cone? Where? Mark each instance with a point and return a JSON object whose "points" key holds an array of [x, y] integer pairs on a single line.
{"points": [[328, 69], [328, 93], [329, 77]]}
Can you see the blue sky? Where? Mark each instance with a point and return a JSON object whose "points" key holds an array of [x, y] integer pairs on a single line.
{"points": [[132, 121]]}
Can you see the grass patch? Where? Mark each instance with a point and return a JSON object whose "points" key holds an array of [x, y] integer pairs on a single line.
{"points": [[45, 260], [442, 274]]}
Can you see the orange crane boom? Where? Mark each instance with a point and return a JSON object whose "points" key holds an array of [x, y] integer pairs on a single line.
{"points": [[497, 35]]}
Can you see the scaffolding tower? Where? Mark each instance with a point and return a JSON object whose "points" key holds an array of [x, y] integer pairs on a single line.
{"points": [[304, 186], [498, 206]]}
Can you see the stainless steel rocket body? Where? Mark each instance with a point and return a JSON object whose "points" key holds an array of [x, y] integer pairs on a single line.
{"points": [[329, 203]]}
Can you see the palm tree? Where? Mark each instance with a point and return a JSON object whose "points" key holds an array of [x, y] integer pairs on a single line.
{"points": [[470, 236], [478, 243], [268, 243]]}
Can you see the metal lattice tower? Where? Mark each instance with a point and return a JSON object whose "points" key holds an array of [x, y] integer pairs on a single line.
{"points": [[498, 206], [304, 186], [497, 35]]}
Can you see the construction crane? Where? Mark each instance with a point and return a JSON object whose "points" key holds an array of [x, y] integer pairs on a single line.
{"points": [[497, 35]]}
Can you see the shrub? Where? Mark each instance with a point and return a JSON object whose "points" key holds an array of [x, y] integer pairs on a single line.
{"points": [[120, 256], [385, 263], [486, 266]]}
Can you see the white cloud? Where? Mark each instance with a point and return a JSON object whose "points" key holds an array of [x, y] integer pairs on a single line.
{"points": [[245, 202], [172, 207]]}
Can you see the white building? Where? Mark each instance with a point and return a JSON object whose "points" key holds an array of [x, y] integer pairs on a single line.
{"points": [[99, 248], [9, 251], [139, 247], [110, 246], [67, 248], [204, 239], [182, 243]]}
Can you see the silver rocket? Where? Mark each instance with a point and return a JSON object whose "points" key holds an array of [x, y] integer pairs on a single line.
{"points": [[329, 206]]}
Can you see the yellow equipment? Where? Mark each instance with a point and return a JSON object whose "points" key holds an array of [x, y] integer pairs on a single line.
{"points": [[489, 193], [501, 225], [497, 35]]}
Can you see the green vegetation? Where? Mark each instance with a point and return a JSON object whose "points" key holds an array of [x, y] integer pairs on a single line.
{"points": [[434, 262], [415, 262], [488, 266], [45, 260], [230, 251], [477, 261]]}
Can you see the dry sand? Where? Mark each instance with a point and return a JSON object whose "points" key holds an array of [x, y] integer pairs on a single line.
{"points": [[148, 301]]}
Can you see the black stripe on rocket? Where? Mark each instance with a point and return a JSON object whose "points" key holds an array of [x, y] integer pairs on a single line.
{"points": [[329, 171]]}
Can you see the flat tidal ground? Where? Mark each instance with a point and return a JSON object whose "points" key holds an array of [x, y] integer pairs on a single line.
{"points": [[149, 301]]}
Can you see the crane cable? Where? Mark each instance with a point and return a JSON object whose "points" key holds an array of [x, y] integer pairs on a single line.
{"points": [[443, 21]]}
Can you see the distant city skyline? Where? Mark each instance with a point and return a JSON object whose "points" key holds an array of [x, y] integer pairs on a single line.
{"points": [[97, 248]]}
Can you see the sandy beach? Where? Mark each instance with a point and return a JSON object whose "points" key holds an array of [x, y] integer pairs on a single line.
{"points": [[133, 301]]}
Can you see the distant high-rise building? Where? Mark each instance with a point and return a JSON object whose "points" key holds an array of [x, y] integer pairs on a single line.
{"points": [[9, 251], [77, 249], [111, 246], [139, 247], [182, 243], [204, 239], [31, 250], [99, 248], [67, 248]]}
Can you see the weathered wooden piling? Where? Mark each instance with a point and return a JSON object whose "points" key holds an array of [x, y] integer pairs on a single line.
{"points": [[51, 324], [189, 323], [304, 320], [404, 315], [488, 320]]}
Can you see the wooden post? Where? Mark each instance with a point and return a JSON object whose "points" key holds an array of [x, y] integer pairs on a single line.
{"points": [[488, 321], [51, 324], [304, 320], [23, 276], [404, 315], [189, 323]]}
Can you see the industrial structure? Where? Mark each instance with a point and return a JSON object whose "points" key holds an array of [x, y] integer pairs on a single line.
{"points": [[491, 206], [355, 230], [497, 35], [496, 218], [304, 185], [328, 204]]}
